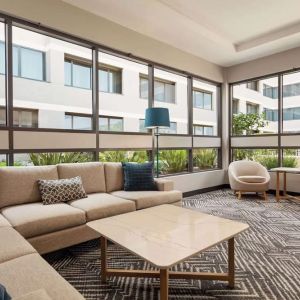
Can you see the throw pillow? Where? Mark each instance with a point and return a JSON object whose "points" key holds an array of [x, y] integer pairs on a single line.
{"points": [[138, 177], [61, 190]]}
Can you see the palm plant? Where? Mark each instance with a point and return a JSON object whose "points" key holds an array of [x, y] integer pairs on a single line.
{"points": [[123, 156], [173, 161], [41, 159], [205, 158]]}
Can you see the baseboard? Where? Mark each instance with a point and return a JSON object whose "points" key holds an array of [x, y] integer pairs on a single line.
{"points": [[226, 186], [205, 190]]}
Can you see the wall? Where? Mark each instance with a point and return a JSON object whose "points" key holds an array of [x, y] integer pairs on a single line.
{"points": [[283, 61], [67, 18]]}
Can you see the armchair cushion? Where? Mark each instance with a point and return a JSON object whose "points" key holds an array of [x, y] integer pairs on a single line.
{"points": [[252, 179]]}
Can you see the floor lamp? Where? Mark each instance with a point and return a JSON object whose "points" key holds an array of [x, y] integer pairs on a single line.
{"points": [[157, 117]]}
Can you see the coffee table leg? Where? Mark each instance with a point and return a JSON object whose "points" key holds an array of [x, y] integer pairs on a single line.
{"points": [[231, 262], [164, 284], [103, 244], [277, 186]]}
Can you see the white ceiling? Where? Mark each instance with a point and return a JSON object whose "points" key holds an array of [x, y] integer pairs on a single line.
{"points": [[225, 32]]}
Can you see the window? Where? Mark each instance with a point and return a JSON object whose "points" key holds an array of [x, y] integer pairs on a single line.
{"points": [[79, 122], [110, 124], [290, 102], [51, 158], [121, 101], [203, 130], [51, 100], [173, 161], [2, 77], [235, 106], [171, 130], [110, 79], [266, 157], [205, 108], [252, 108], [256, 112], [202, 99], [22, 117], [252, 85], [205, 159], [138, 156], [164, 91], [77, 75]]}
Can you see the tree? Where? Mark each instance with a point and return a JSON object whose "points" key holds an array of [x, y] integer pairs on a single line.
{"points": [[248, 123]]}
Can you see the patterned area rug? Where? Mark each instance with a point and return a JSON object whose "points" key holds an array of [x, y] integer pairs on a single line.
{"points": [[267, 257]]}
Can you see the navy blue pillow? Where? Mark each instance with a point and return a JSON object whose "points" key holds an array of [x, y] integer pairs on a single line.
{"points": [[138, 177]]}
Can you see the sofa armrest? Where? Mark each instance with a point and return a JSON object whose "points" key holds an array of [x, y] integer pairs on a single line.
{"points": [[164, 184]]}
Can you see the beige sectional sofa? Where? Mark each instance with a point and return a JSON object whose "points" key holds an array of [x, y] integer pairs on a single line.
{"points": [[24, 218]]}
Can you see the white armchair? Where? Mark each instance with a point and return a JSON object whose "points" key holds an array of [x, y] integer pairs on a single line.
{"points": [[248, 176]]}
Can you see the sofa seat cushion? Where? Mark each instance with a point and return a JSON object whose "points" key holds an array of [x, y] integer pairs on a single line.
{"points": [[102, 205], [31, 272], [252, 179], [144, 199], [13, 245], [4, 222], [36, 219]]}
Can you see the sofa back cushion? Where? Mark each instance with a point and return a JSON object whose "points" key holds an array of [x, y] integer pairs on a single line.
{"points": [[19, 185], [114, 177], [91, 173]]}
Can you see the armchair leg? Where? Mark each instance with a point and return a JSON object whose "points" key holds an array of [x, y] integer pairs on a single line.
{"points": [[265, 196], [239, 194]]}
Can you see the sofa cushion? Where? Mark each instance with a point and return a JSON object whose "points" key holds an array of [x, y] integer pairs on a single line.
{"points": [[3, 222], [144, 199], [91, 173], [252, 179], [61, 190], [35, 295], [31, 272], [102, 205], [35, 219], [18, 185], [114, 177], [13, 245]]}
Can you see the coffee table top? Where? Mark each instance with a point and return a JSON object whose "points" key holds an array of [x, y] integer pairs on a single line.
{"points": [[166, 235]]}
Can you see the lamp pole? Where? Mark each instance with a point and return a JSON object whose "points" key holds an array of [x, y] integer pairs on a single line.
{"points": [[157, 152]]}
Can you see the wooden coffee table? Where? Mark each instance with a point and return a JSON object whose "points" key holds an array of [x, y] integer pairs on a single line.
{"points": [[164, 236]]}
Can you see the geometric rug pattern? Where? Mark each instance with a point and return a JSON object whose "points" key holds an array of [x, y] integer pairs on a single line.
{"points": [[267, 257]]}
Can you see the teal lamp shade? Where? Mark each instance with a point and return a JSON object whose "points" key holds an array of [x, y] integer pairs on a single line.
{"points": [[157, 117]]}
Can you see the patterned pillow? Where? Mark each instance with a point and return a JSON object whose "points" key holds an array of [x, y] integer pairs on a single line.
{"points": [[138, 177], [61, 190]]}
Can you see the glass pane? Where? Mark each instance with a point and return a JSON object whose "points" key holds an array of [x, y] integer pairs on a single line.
{"points": [[53, 99], [142, 126], [68, 122], [115, 124], [138, 156], [291, 158], [173, 161], [204, 159], [171, 130], [16, 62], [68, 73], [177, 107], [267, 157], [103, 124], [159, 94], [2, 160], [258, 107], [291, 104], [122, 102], [32, 64], [82, 123], [81, 76], [52, 158], [143, 88], [205, 114], [2, 77]]}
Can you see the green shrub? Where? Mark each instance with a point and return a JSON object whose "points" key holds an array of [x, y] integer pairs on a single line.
{"points": [[41, 159], [205, 158], [123, 156], [172, 161], [290, 162]]}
